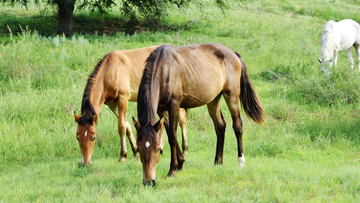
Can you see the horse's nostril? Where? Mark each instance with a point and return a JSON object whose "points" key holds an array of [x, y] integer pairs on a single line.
{"points": [[153, 183]]}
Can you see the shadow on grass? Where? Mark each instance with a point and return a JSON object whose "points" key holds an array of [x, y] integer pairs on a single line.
{"points": [[85, 24]]}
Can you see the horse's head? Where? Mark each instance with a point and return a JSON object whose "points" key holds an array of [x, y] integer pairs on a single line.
{"points": [[326, 57], [86, 134], [325, 63], [148, 142]]}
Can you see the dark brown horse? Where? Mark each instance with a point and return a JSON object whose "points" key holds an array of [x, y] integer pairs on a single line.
{"points": [[114, 81], [187, 77]]}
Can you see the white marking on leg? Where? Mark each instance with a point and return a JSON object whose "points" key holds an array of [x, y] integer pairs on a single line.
{"points": [[82, 160], [241, 160], [127, 124], [85, 133], [147, 144]]}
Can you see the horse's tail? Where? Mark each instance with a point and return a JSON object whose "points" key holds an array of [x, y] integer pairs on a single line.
{"points": [[248, 97]]}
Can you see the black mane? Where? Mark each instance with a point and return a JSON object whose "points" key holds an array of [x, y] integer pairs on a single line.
{"points": [[146, 113], [87, 110]]}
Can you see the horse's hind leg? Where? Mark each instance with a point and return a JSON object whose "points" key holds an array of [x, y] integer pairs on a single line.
{"points": [[232, 101], [351, 59], [357, 49], [182, 123], [220, 125]]}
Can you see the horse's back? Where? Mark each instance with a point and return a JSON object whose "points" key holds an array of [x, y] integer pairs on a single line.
{"points": [[347, 33], [122, 70], [199, 72]]}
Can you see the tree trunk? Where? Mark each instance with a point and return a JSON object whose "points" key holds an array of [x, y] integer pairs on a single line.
{"points": [[66, 21]]}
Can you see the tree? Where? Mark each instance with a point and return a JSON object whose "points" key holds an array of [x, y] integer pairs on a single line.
{"points": [[66, 20], [66, 10], [152, 10]]}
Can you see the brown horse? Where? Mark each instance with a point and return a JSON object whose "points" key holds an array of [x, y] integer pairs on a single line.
{"points": [[187, 77], [114, 82]]}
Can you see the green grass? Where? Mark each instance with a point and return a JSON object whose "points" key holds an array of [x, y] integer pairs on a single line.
{"points": [[308, 149]]}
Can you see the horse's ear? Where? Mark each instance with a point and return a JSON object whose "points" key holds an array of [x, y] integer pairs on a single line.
{"points": [[320, 60], [158, 124], [77, 117], [136, 124]]}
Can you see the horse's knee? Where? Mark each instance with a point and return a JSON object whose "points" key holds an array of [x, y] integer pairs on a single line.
{"points": [[122, 129], [222, 126]]}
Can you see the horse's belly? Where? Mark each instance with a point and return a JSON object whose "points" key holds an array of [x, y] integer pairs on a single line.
{"points": [[191, 102], [201, 91], [199, 98]]}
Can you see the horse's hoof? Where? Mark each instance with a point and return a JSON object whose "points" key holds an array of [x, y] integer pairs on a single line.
{"points": [[218, 161], [137, 155], [241, 161], [185, 149], [180, 165], [122, 159], [171, 174]]}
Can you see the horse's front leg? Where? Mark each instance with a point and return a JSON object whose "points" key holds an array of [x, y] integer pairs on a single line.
{"points": [[351, 59], [121, 130], [177, 158], [336, 53], [124, 129]]}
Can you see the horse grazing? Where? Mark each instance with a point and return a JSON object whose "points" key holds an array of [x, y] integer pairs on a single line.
{"points": [[188, 77], [114, 81], [339, 36]]}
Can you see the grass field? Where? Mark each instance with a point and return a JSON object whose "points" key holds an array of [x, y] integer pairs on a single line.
{"points": [[308, 149]]}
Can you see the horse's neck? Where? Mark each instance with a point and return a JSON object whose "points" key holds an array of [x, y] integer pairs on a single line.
{"points": [[97, 98], [328, 44], [147, 109]]}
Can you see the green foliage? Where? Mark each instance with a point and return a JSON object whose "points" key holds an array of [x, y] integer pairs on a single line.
{"points": [[307, 84], [337, 86]]}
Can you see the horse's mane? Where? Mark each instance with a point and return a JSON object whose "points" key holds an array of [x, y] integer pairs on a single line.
{"points": [[87, 109], [327, 40], [146, 113]]}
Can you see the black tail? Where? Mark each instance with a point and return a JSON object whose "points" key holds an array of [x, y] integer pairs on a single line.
{"points": [[248, 97]]}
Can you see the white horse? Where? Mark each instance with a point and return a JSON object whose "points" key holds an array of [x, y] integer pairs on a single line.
{"points": [[339, 36]]}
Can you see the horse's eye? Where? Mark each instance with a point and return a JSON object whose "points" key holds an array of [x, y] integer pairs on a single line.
{"points": [[94, 138]]}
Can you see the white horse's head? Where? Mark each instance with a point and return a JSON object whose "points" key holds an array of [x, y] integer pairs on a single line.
{"points": [[325, 62]]}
